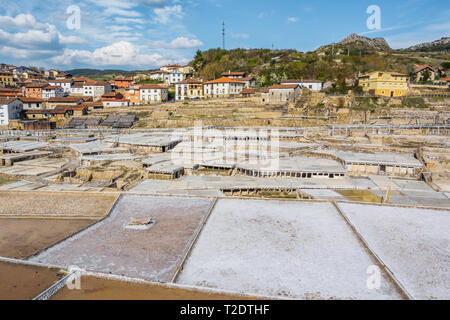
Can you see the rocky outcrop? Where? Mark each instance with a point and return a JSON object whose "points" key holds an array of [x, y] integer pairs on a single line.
{"points": [[438, 45]]}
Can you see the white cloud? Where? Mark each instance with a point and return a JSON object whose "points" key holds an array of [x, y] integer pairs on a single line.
{"points": [[71, 40], [21, 21], [178, 43], [119, 28], [166, 14], [292, 19], [121, 53], [121, 12], [129, 20]]}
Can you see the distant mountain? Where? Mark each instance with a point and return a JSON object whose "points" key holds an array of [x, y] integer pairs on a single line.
{"points": [[438, 45], [97, 73], [360, 42]]}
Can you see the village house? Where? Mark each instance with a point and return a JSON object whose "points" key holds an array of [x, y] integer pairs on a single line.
{"points": [[222, 88], [151, 93], [10, 109], [387, 84], [426, 72], [52, 103], [97, 105], [77, 89], [249, 92], [133, 95], [7, 67], [52, 92], [6, 79], [170, 67], [59, 112], [31, 75], [249, 81], [32, 103], [175, 76], [18, 71], [233, 75], [313, 85], [123, 82], [63, 75], [114, 99], [159, 75], [188, 89], [96, 89], [51, 74], [66, 84], [34, 89], [284, 93], [10, 92]]}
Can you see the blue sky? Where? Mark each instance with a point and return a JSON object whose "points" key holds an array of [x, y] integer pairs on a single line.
{"points": [[145, 34]]}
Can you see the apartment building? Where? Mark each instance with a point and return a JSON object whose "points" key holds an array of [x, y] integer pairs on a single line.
{"points": [[222, 88], [387, 84], [151, 93], [188, 89]]}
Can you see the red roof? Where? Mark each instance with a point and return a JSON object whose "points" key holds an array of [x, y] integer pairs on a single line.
{"points": [[190, 81], [249, 91], [301, 81], [152, 86], [284, 86], [7, 100], [51, 87], [224, 80], [30, 100]]}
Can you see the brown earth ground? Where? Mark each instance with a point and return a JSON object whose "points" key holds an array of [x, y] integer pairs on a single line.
{"points": [[93, 288], [62, 204], [21, 238], [24, 282]]}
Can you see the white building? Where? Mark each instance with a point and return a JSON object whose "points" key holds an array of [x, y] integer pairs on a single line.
{"points": [[96, 89], [77, 90], [152, 93], [175, 76], [188, 89], [115, 103], [9, 109], [159, 75], [52, 92], [313, 85], [283, 93], [223, 87], [66, 84]]}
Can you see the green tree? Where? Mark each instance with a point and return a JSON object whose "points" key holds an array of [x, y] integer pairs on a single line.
{"points": [[446, 65], [426, 75]]}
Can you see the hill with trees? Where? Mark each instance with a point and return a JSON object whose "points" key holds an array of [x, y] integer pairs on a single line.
{"points": [[339, 62]]}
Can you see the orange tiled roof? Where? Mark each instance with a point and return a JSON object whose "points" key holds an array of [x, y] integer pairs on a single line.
{"points": [[224, 80], [152, 86], [284, 86]]}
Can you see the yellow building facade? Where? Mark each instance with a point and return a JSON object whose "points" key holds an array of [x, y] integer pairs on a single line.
{"points": [[387, 84], [6, 79]]}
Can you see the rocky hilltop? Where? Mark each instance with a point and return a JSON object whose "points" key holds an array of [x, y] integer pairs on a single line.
{"points": [[438, 45], [376, 43], [357, 41]]}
